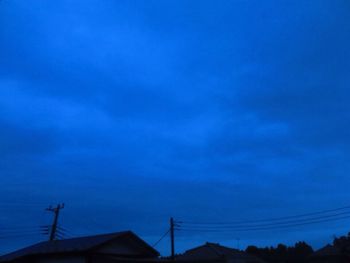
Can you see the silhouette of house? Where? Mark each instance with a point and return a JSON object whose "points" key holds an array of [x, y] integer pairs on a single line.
{"points": [[114, 247], [211, 252], [332, 254]]}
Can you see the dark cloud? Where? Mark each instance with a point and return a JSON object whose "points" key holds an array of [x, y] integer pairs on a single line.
{"points": [[194, 110]]}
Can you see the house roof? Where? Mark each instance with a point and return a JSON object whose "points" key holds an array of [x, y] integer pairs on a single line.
{"points": [[75, 245], [213, 251]]}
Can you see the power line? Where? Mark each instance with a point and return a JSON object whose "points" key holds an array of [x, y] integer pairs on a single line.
{"points": [[165, 234], [17, 227], [205, 229], [19, 235], [267, 219], [285, 222], [18, 231], [65, 231]]}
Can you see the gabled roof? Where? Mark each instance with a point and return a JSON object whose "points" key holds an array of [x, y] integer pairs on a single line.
{"points": [[75, 245], [213, 251]]}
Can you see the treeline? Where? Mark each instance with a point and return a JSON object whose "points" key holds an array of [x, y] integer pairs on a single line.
{"points": [[342, 244], [298, 253]]}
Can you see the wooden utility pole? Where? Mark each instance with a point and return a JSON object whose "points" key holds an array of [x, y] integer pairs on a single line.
{"points": [[56, 211], [172, 239]]}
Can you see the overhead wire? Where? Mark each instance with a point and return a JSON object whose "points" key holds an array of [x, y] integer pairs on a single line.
{"points": [[260, 228], [19, 235], [280, 223], [266, 224], [267, 219], [164, 235]]}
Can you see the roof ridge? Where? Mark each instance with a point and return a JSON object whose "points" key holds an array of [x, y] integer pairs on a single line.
{"points": [[212, 246], [89, 236], [90, 242]]}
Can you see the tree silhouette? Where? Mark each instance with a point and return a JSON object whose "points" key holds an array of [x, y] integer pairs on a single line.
{"points": [[298, 253]]}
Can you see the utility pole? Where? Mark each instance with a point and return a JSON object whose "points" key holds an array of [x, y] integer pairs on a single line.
{"points": [[172, 239], [56, 211]]}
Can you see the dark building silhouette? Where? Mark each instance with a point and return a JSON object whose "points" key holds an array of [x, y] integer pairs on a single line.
{"points": [[211, 252], [108, 248]]}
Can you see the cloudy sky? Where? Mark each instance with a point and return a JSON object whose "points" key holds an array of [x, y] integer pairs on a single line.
{"points": [[130, 112]]}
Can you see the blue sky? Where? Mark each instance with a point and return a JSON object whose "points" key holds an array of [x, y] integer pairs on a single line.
{"points": [[134, 111]]}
